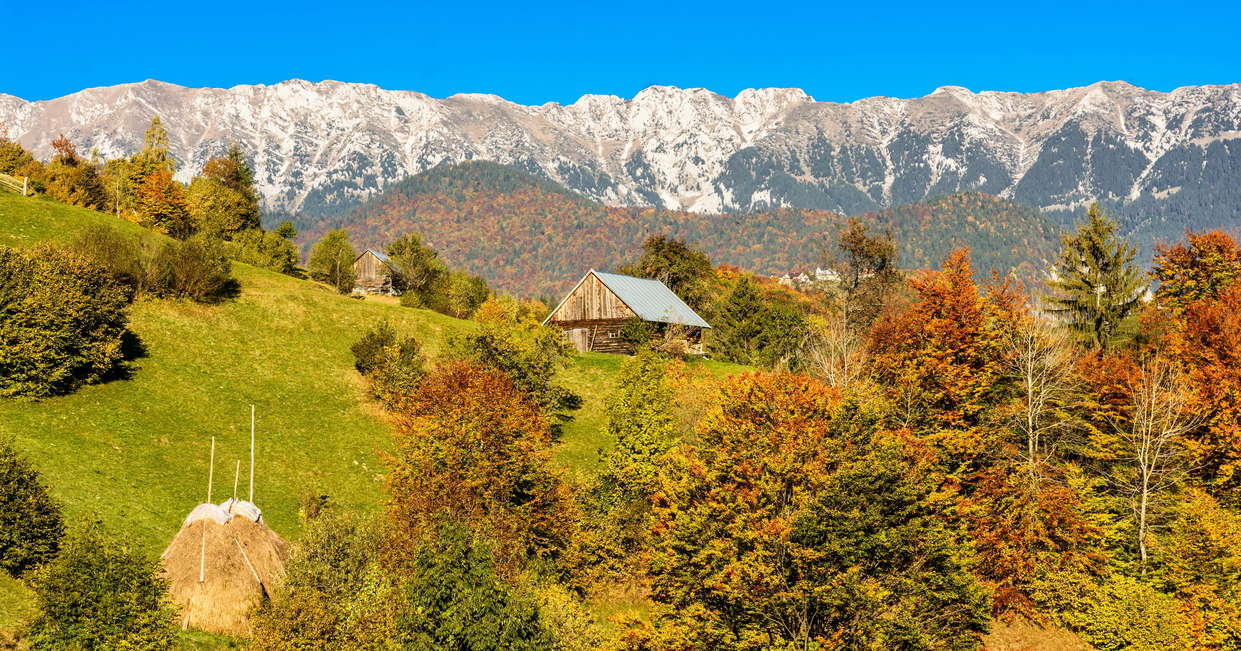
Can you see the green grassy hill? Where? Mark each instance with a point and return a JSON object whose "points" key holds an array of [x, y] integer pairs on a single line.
{"points": [[134, 452]]}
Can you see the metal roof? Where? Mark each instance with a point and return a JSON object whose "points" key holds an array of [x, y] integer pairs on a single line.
{"points": [[651, 300], [383, 257]]}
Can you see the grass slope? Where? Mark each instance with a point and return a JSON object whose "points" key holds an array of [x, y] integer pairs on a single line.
{"points": [[134, 452]]}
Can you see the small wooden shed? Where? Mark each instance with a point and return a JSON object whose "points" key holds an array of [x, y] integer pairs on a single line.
{"points": [[371, 269], [593, 314]]}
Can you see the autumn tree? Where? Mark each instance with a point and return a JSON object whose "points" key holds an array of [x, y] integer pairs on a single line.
{"points": [[1157, 420], [1195, 270], [472, 447], [865, 263], [71, 179], [223, 200], [1096, 286], [684, 270], [528, 353], [940, 361], [331, 261], [1206, 342], [767, 524], [161, 205]]}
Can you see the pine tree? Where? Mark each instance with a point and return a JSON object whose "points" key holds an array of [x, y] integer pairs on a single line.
{"points": [[736, 328], [1096, 284]]}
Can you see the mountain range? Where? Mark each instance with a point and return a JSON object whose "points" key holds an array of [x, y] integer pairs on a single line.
{"points": [[1160, 161]]}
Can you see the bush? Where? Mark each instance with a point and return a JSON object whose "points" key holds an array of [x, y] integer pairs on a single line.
{"points": [[456, 600], [337, 593], [265, 249], [528, 354], [197, 269], [100, 593], [62, 319], [1125, 613], [392, 365], [30, 521]]}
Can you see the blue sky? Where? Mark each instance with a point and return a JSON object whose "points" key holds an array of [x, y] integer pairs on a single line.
{"points": [[535, 53]]}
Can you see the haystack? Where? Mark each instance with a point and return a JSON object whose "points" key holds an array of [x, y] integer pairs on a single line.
{"points": [[220, 566], [225, 560]]}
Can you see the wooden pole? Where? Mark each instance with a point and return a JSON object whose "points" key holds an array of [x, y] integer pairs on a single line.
{"points": [[251, 454], [25, 181], [236, 476], [211, 470]]}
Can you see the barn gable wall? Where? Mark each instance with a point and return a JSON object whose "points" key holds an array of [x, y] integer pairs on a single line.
{"points": [[591, 301]]}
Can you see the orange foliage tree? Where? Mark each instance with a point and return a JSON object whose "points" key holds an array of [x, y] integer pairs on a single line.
{"points": [[472, 448], [767, 531], [1207, 343], [940, 360], [1195, 270]]}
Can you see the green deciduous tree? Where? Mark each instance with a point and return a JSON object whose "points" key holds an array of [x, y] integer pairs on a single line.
{"points": [[1096, 285], [684, 270], [100, 593], [30, 520], [866, 267], [457, 601], [417, 272], [331, 261]]}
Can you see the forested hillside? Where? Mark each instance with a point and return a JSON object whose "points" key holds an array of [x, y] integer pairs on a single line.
{"points": [[527, 235]]}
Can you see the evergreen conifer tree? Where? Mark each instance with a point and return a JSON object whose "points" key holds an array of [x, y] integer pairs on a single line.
{"points": [[1096, 284], [737, 329]]}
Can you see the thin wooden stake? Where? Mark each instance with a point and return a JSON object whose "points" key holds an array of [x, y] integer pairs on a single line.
{"points": [[202, 557], [236, 475], [251, 454], [211, 470]]}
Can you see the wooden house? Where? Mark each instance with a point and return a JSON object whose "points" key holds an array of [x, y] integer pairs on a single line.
{"points": [[373, 276], [594, 313]]}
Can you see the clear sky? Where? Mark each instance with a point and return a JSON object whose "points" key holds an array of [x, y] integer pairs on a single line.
{"points": [[540, 52]]}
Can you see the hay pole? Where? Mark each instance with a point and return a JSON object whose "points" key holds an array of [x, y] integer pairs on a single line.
{"points": [[250, 565], [236, 474], [211, 470], [202, 545], [252, 454]]}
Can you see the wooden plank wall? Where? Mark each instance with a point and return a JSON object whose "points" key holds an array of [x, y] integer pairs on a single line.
{"points": [[592, 301], [370, 271]]}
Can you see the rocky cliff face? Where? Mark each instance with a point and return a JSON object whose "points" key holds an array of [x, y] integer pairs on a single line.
{"points": [[1161, 160]]}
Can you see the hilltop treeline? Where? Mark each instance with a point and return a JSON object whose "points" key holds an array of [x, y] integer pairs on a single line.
{"points": [[220, 204], [529, 236]]}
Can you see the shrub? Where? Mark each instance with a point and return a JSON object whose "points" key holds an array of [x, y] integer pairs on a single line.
{"points": [[1125, 613], [528, 354], [100, 593], [336, 593], [456, 600], [392, 365], [30, 521], [265, 249], [62, 319], [197, 269], [120, 254]]}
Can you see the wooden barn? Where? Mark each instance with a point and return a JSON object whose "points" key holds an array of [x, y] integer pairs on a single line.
{"points": [[593, 314], [371, 269]]}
